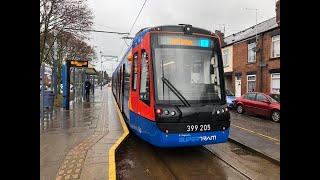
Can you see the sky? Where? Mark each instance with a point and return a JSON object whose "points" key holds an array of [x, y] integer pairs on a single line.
{"points": [[229, 16]]}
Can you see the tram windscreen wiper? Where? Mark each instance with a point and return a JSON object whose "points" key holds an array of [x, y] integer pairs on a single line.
{"points": [[175, 91]]}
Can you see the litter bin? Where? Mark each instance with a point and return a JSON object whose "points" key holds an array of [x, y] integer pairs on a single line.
{"points": [[48, 98]]}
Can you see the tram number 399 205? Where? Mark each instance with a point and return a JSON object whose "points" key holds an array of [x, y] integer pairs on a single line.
{"points": [[201, 127]]}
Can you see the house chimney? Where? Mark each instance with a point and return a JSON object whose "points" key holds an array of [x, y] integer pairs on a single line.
{"points": [[278, 12], [220, 34]]}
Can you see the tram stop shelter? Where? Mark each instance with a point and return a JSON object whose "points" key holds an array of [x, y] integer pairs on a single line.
{"points": [[79, 76], [91, 74], [91, 70]]}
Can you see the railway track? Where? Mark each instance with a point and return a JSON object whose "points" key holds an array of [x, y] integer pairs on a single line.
{"points": [[137, 159]]}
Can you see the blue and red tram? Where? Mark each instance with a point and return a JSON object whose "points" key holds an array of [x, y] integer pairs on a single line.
{"points": [[170, 88]]}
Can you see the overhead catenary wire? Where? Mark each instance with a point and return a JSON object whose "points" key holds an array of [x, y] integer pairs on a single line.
{"points": [[104, 26], [137, 16], [133, 25], [126, 42], [92, 30]]}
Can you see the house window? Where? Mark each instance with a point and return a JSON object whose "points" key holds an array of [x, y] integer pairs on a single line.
{"points": [[251, 53], [225, 55], [275, 83], [251, 83], [276, 46]]}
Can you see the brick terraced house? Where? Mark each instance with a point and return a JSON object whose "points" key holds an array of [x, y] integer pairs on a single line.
{"points": [[252, 58]]}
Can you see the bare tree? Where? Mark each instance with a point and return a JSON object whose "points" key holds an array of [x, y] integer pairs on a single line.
{"points": [[71, 16], [69, 47], [72, 47]]}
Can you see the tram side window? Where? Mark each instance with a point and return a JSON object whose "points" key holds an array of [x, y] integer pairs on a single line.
{"points": [[113, 85], [144, 84], [134, 71], [127, 70]]}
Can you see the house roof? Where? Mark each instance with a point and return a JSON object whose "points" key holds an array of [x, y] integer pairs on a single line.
{"points": [[251, 31]]}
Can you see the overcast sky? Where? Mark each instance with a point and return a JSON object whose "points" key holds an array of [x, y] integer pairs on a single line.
{"points": [[119, 15]]}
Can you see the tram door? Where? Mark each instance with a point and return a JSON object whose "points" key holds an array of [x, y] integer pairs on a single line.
{"points": [[121, 84], [117, 85]]}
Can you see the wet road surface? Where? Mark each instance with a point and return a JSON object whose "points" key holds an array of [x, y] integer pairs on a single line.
{"points": [[137, 159], [258, 133], [246, 161]]}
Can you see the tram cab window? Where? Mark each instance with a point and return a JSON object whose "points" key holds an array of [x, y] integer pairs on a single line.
{"points": [[144, 84]]}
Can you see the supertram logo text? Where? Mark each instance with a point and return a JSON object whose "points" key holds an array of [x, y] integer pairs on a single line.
{"points": [[201, 138]]}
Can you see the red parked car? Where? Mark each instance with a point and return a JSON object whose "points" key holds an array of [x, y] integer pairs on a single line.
{"points": [[258, 103], [275, 96]]}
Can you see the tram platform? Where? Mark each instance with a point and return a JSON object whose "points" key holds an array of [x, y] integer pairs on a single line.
{"points": [[80, 143]]}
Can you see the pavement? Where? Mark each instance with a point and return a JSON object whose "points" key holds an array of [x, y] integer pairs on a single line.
{"points": [[75, 143]]}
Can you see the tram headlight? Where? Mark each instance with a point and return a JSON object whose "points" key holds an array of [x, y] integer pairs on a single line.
{"points": [[166, 112], [173, 113], [221, 111]]}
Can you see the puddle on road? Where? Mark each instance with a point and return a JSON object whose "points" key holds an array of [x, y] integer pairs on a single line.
{"points": [[240, 151], [74, 120], [237, 150], [135, 159]]}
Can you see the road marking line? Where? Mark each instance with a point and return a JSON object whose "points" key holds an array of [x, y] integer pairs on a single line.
{"points": [[256, 133], [112, 159]]}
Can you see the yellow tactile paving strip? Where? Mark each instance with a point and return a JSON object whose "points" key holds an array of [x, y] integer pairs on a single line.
{"points": [[73, 162]]}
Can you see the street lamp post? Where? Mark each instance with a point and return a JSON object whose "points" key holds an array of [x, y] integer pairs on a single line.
{"points": [[256, 22], [262, 64], [110, 56], [101, 77], [93, 60]]}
